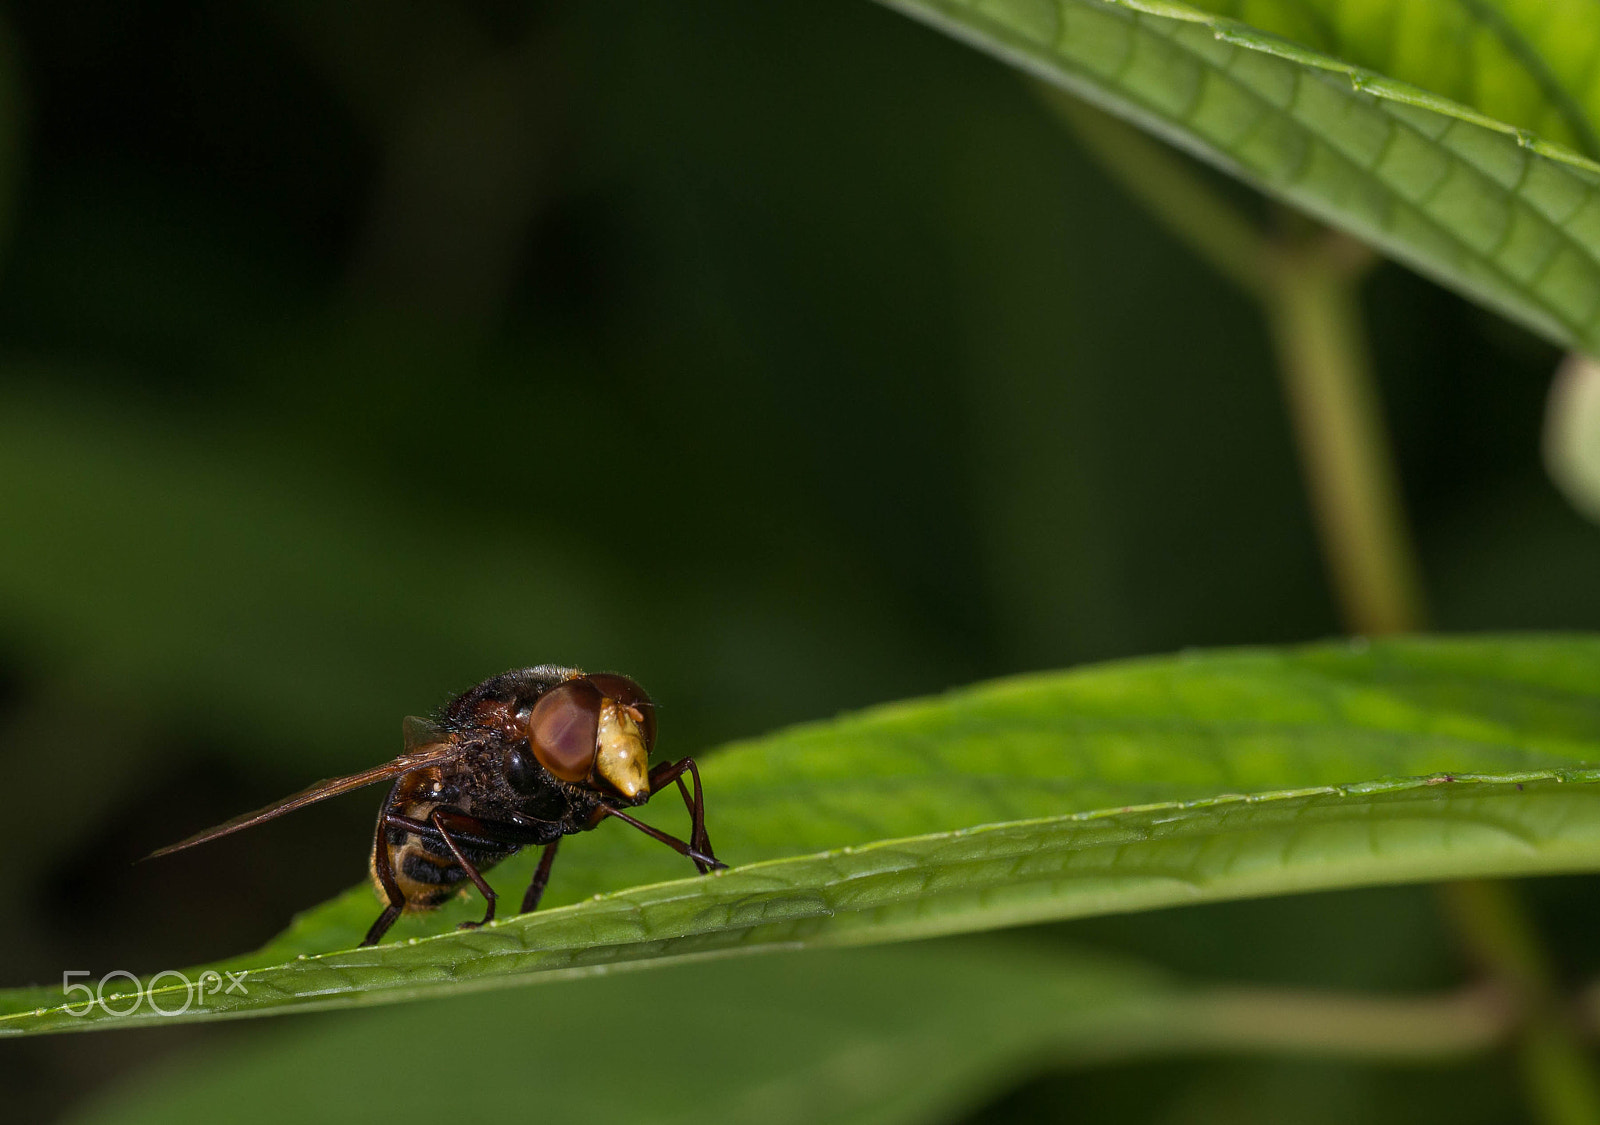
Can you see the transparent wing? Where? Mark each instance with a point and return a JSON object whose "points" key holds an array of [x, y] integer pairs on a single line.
{"points": [[416, 757], [419, 733]]}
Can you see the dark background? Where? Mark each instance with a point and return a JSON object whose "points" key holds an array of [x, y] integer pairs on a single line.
{"points": [[786, 355]]}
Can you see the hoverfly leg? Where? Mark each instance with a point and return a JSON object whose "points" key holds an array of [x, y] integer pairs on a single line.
{"points": [[672, 842], [437, 819], [698, 836], [673, 772], [384, 869], [381, 926], [530, 901], [699, 841], [468, 829]]}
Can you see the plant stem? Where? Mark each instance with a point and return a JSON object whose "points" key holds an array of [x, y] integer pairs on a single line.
{"points": [[1176, 196], [1555, 1064], [1297, 1021], [1211, 1020], [1313, 307]]}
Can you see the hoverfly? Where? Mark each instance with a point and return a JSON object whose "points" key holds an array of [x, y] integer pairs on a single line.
{"points": [[523, 758]]}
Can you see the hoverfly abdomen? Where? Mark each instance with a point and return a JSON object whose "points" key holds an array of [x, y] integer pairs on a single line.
{"points": [[428, 873]]}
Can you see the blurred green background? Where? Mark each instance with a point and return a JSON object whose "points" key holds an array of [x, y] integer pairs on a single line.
{"points": [[786, 356]]}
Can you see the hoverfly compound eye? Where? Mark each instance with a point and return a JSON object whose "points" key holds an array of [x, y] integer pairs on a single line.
{"points": [[563, 727]]}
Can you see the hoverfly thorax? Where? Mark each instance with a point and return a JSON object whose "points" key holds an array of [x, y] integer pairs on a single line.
{"points": [[595, 729]]}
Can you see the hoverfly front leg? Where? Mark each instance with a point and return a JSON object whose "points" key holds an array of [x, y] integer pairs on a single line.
{"points": [[697, 809], [698, 839], [701, 860]]}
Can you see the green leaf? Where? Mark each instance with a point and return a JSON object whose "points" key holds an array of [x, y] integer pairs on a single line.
{"points": [[889, 1035], [1122, 787], [1446, 134]]}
